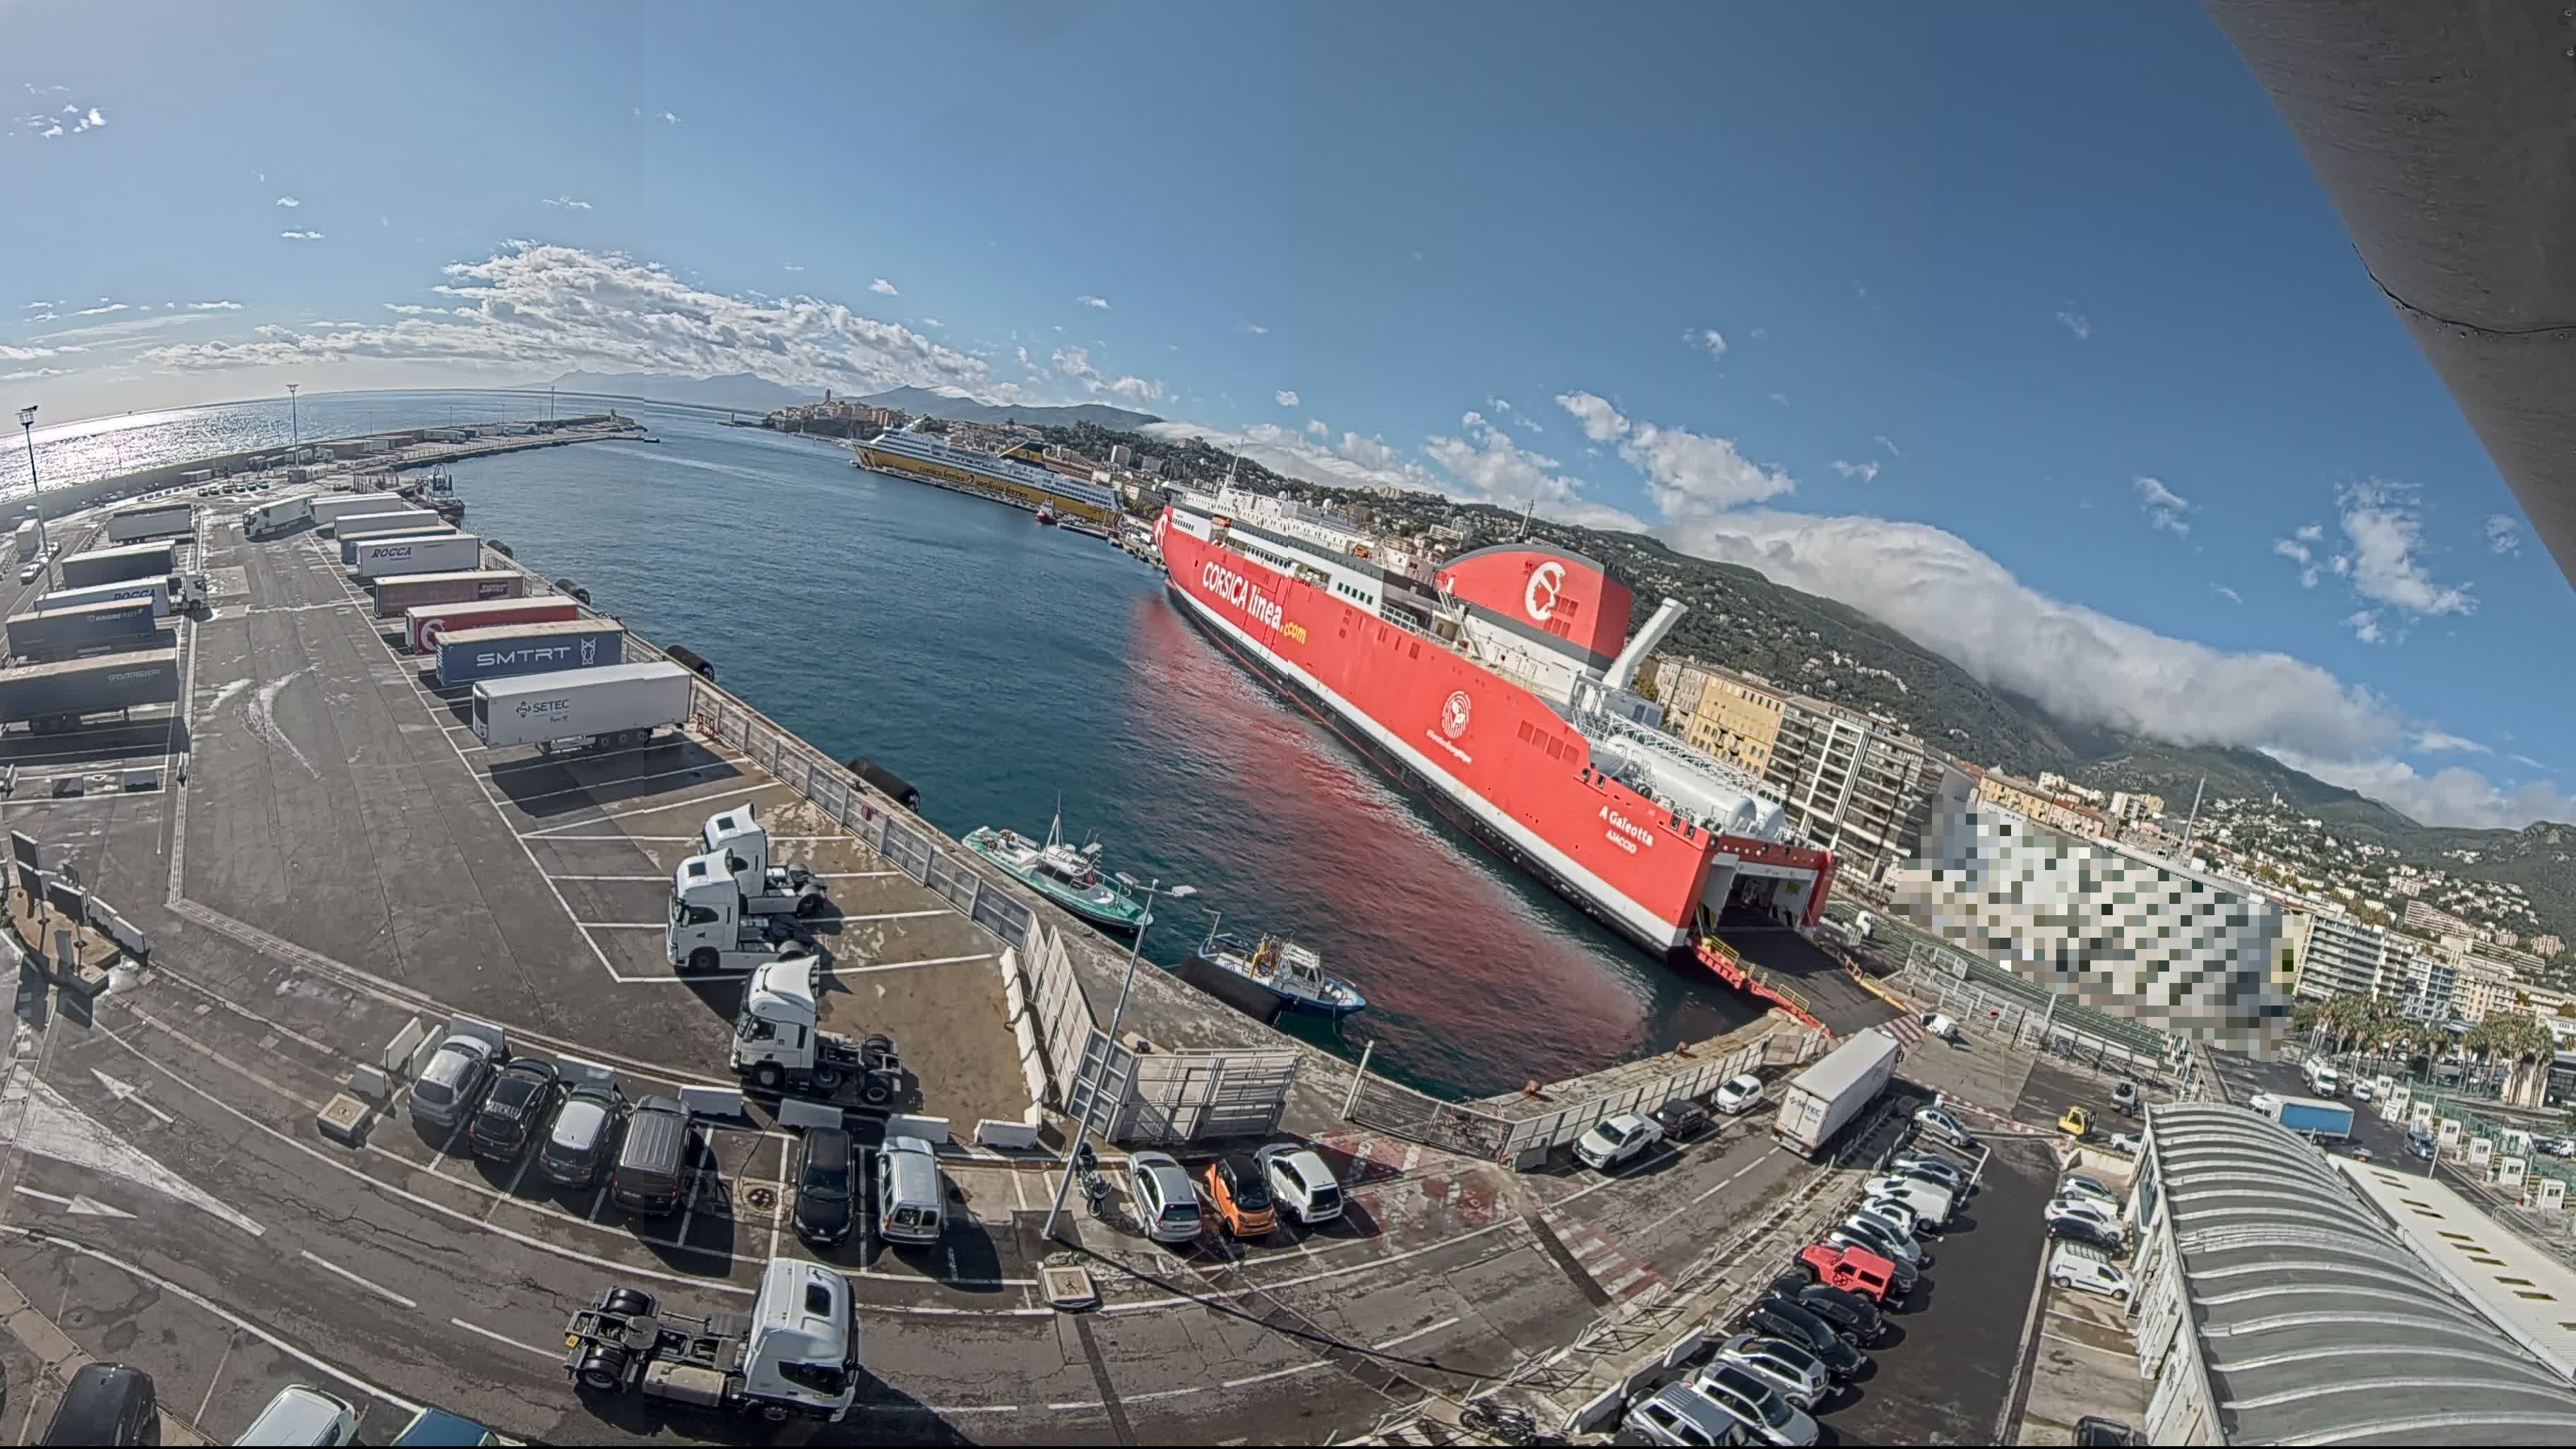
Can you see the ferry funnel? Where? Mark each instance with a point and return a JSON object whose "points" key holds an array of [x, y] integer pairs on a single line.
{"points": [[1624, 668]]}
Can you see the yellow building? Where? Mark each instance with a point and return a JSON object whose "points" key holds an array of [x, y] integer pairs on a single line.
{"points": [[1737, 720]]}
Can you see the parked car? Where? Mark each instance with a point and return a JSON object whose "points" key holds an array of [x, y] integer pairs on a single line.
{"points": [[1939, 1182], [2076, 1230], [1901, 1270], [1953, 1174], [1893, 1217], [1790, 1319], [2361, 1090], [826, 1187], [653, 1157], [912, 1202], [1739, 1095], [1166, 1205], [2128, 1144], [521, 1097], [1930, 1205], [2095, 1432], [302, 1415], [1870, 1274], [2073, 1266], [448, 1090], [2077, 1185], [2124, 1095], [1755, 1404], [1799, 1376], [1300, 1182], [1240, 1197], [1678, 1415], [1681, 1119], [1854, 1317], [1944, 1126], [582, 1140], [106, 1403], [2085, 1210], [1615, 1140]]}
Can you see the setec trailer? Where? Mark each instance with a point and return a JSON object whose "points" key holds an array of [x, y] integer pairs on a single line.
{"points": [[612, 706]]}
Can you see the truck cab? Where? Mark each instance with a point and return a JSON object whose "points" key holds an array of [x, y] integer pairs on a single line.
{"points": [[711, 928], [778, 1043], [795, 1355], [767, 890]]}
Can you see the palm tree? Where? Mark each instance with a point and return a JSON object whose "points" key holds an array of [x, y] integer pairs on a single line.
{"points": [[2528, 1050]]}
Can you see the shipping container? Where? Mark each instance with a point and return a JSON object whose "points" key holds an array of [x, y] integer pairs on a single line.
{"points": [[613, 705], [81, 628], [396, 596], [155, 589], [349, 546], [52, 696], [332, 507], [418, 553], [27, 541], [110, 565], [271, 518], [1827, 1096], [424, 625], [466, 656], [390, 520], [155, 520]]}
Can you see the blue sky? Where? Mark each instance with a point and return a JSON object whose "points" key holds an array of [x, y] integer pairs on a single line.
{"points": [[1904, 311]]}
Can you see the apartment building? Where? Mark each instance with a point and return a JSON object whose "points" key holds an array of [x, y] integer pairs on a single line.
{"points": [[1679, 684], [2139, 806], [1858, 786], [1738, 719], [2433, 922], [2035, 801], [2343, 955], [2124, 933]]}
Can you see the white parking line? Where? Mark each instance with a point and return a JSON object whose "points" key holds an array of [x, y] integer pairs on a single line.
{"points": [[606, 816], [380, 1290], [621, 925], [910, 965], [904, 916], [548, 1354], [610, 784], [656, 878]]}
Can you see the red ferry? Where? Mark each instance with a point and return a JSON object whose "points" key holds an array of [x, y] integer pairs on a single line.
{"points": [[1495, 685]]}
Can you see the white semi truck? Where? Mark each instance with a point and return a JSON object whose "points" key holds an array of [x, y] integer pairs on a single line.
{"points": [[767, 890], [794, 1356], [710, 928], [1827, 1096], [613, 705], [778, 1045]]}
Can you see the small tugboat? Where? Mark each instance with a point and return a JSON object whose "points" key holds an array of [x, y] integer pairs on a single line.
{"points": [[1280, 972], [1045, 515], [1071, 878]]}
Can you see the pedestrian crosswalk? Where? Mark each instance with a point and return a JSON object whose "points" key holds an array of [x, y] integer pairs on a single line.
{"points": [[1907, 1028], [1611, 1268]]}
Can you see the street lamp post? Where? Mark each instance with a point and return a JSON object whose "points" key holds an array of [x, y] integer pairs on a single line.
{"points": [[294, 418], [35, 499], [1091, 1094]]}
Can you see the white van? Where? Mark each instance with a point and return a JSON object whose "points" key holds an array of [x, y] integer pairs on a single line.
{"points": [[910, 1208], [2322, 1081]]}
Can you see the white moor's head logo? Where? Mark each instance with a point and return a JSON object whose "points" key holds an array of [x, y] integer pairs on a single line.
{"points": [[1454, 712], [1546, 582]]}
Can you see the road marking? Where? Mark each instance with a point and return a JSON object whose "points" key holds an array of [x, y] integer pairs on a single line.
{"points": [[2118, 1353], [1649, 1228], [904, 916], [77, 1205], [656, 878], [909, 965], [676, 979], [605, 816], [380, 1290], [547, 1354], [126, 1092], [226, 1314], [522, 800], [621, 925], [51, 1126]]}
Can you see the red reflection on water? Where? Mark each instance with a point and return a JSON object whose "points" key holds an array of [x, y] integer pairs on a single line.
{"points": [[1457, 960]]}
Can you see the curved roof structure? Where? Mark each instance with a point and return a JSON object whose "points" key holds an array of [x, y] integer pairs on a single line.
{"points": [[2316, 1323], [2441, 131]]}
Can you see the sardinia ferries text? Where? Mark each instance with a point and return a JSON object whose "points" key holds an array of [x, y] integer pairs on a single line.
{"points": [[1232, 587]]}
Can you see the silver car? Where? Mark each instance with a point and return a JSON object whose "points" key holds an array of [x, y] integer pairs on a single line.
{"points": [[1167, 1203], [1681, 1416], [1798, 1376], [1755, 1404]]}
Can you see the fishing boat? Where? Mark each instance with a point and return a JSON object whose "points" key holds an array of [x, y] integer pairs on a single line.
{"points": [[1284, 972], [1044, 516], [1068, 876]]}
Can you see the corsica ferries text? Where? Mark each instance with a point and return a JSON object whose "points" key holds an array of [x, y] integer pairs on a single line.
{"points": [[1237, 590]]}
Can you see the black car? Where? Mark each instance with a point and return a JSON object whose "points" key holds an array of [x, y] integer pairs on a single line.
{"points": [[2076, 1230], [521, 1100], [106, 1403], [582, 1140], [1784, 1318], [1682, 1119], [2093, 1429], [1853, 1316], [825, 1187]]}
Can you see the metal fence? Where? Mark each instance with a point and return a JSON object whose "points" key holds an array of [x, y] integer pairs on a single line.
{"points": [[1400, 1111], [2030, 1018]]}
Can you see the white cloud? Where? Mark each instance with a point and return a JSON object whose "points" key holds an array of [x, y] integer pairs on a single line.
{"points": [[2364, 624], [1761, 334], [1490, 464], [288, 201], [536, 309], [934, 322], [1686, 472], [2164, 507], [883, 288], [1287, 397], [27, 373], [2075, 322], [2504, 533], [95, 311], [1137, 389], [1255, 328], [792, 266], [1090, 301], [2309, 532], [2437, 741], [1076, 363], [31, 354], [567, 202], [1881, 440], [2224, 592], [2384, 529], [214, 306], [2296, 549], [1779, 399], [90, 121], [669, 119], [301, 235], [1706, 339], [1316, 428], [2527, 760], [2453, 795], [1865, 472]]}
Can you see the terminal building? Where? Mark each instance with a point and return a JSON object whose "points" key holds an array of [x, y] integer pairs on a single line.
{"points": [[2284, 1297], [2112, 928]]}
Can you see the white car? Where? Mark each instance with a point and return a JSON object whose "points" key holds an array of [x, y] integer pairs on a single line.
{"points": [[1739, 1095], [1930, 1205], [1616, 1140], [1941, 1124], [1890, 1214], [2071, 1265], [2128, 1143], [28, 574], [1755, 1404], [2360, 1090], [2087, 1211], [1301, 1182], [1885, 1240], [1167, 1203], [2076, 1185]]}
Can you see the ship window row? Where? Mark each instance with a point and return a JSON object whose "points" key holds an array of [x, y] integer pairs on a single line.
{"points": [[1539, 738]]}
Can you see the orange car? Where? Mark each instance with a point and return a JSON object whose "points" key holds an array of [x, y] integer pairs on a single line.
{"points": [[1241, 1198]]}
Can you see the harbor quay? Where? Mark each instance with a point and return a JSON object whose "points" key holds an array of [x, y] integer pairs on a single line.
{"points": [[214, 1169]]}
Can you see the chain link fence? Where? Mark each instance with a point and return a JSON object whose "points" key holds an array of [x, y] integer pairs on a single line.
{"points": [[2029, 1017]]}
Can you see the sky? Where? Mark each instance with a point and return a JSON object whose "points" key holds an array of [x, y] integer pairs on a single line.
{"points": [[2065, 368]]}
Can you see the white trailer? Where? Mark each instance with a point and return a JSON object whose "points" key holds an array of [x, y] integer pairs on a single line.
{"points": [[795, 1355], [418, 554], [151, 520], [332, 507], [611, 706], [391, 520], [26, 540], [1827, 1096], [269, 518]]}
